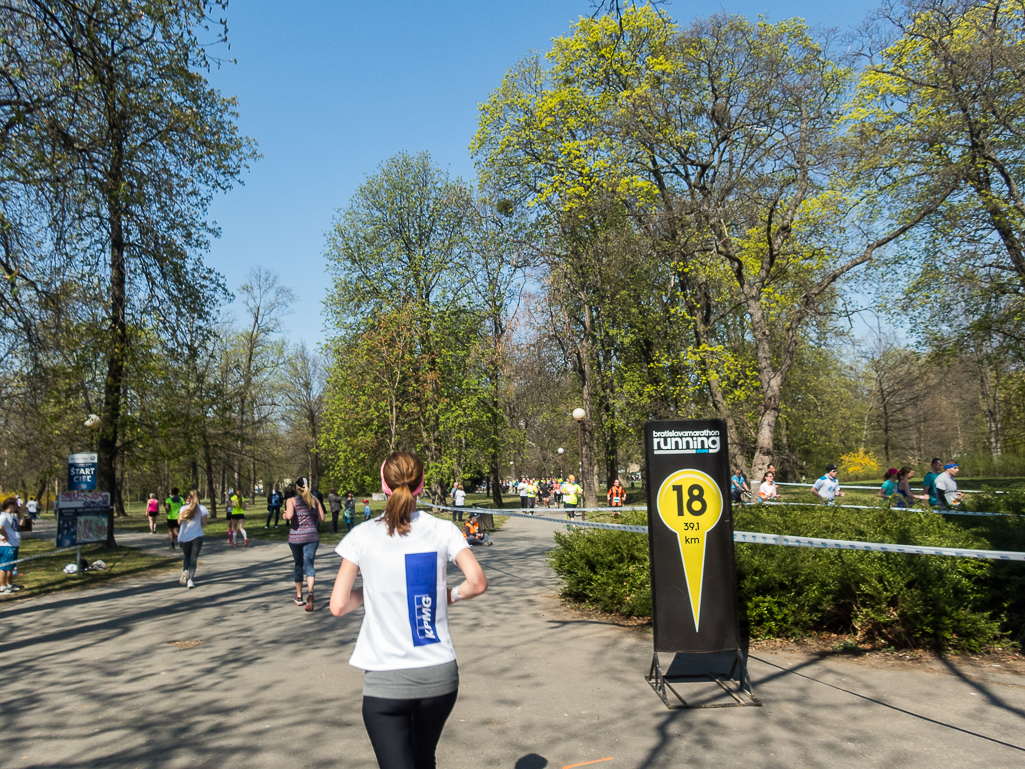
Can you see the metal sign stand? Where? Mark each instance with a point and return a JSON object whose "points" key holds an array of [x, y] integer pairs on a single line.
{"points": [[736, 683]]}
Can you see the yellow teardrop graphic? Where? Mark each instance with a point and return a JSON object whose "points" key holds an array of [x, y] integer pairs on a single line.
{"points": [[691, 504]]}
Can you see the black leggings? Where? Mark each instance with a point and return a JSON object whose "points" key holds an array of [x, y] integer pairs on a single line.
{"points": [[190, 555], [405, 733]]}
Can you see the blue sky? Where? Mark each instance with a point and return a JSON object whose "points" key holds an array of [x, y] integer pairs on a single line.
{"points": [[330, 89]]}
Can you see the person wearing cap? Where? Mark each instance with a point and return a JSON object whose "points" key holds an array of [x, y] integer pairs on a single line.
{"points": [[946, 486], [366, 510], [827, 488], [411, 678], [473, 533]]}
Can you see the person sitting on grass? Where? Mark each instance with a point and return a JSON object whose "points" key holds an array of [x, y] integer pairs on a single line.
{"points": [[473, 533]]}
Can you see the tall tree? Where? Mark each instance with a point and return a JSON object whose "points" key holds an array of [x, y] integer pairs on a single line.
{"points": [[134, 147]]}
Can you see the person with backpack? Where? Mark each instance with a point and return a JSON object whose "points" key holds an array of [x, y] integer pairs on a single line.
{"points": [[274, 502], [350, 510]]}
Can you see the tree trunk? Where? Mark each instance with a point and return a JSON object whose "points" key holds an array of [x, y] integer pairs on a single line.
{"points": [[107, 444], [211, 490]]}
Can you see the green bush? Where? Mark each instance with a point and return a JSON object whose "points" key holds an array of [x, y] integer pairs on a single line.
{"points": [[886, 599], [609, 572]]}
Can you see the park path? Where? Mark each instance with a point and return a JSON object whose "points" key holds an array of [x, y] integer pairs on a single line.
{"points": [[93, 679]]}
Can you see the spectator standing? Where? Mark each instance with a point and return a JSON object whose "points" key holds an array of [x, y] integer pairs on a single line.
{"points": [[274, 502], [366, 510], [946, 486], [827, 488], [334, 503], [350, 510], [458, 501], [303, 513], [10, 544], [192, 519], [412, 680]]}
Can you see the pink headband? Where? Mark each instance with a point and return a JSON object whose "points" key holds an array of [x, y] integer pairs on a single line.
{"points": [[384, 484]]}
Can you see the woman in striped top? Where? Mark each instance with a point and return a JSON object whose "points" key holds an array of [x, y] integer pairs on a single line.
{"points": [[303, 513]]}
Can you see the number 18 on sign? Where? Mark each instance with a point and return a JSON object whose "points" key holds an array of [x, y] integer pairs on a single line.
{"points": [[693, 577]]}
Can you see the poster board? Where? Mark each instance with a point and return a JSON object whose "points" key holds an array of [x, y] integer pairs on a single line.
{"points": [[82, 517]]}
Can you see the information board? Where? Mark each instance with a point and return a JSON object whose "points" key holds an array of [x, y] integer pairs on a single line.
{"points": [[690, 536], [82, 517]]}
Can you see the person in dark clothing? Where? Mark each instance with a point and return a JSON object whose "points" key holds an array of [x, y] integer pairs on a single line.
{"points": [[274, 502], [350, 511], [335, 503]]}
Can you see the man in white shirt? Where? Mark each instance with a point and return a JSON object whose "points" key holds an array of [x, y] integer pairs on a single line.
{"points": [[458, 500], [32, 507], [946, 486], [10, 542], [827, 488]]}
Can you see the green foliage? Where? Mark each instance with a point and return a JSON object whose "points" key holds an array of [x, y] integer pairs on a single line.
{"points": [[608, 571], [885, 599]]}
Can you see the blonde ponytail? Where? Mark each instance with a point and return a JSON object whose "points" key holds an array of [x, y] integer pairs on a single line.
{"points": [[188, 512]]}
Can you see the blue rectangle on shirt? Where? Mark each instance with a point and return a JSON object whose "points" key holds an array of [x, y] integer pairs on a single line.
{"points": [[422, 597]]}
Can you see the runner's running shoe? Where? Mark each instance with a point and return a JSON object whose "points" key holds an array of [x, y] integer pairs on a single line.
{"points": [[183, 578], [299, 600]]}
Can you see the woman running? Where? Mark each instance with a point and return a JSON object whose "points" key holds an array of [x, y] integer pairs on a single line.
{"points": [[303, 513], [152, 511], [192, 520], [411, 679]]}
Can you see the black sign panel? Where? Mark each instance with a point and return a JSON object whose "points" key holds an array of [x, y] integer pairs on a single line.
{"points": [[690, 536]]}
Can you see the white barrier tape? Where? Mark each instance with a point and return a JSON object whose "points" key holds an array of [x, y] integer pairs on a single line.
{"points": [[938, 510], [566, 521], [875, 547], [777, 539], [528, 509], [47, 554]]}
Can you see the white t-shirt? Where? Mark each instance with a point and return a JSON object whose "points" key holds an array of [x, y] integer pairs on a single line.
{"points": [[827, 487], [192, 529], [460, 496], [10, 523], [948, 486], [32, 506], [767, 490], [522, 488], [405, 593]]}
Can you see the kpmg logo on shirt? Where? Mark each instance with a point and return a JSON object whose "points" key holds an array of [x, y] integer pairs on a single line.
{"points": [[421, 595], [685, 441]]}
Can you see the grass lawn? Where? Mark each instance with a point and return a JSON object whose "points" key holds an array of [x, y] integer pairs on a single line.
{"points": [[45, 575]]}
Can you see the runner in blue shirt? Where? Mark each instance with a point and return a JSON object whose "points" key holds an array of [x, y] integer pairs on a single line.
{"points": [[827, 488]]}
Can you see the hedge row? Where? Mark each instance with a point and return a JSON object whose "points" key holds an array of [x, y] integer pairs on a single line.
{"points": [[884, 599]]}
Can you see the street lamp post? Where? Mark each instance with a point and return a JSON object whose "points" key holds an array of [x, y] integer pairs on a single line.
{"points": [[512, 469], [579, 414], [562, 465]]}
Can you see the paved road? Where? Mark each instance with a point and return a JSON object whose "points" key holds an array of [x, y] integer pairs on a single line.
{"points": [[92, 679]]}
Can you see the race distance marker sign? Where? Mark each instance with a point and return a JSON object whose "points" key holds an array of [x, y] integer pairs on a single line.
{"points": [[693, 573]]}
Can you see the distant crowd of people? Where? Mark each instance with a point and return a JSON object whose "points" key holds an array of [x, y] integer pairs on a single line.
{"points": [[939, 487]]}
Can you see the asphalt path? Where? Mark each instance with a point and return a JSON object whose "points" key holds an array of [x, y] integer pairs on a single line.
{"points": [[144, 673]]}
